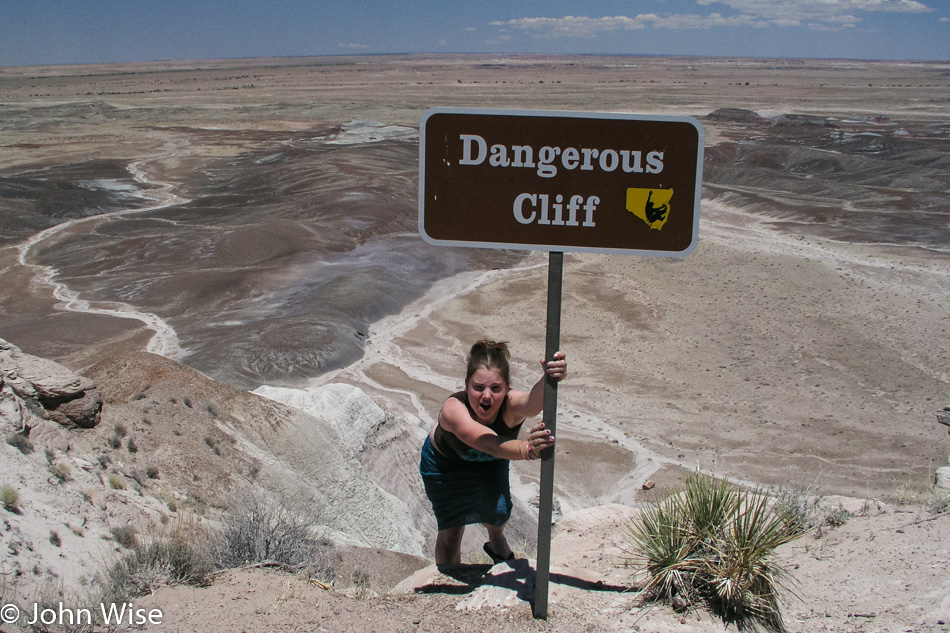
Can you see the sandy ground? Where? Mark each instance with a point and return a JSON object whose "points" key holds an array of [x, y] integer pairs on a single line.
{"points": [[772, 357], [884, 570]]}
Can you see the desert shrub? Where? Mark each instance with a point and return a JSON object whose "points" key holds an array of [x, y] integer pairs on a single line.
{"points": [[104, 461], [138, 477], [263, 529], [212, 445], [714, 544], [10, 498], [60, 472], [119, 430], [116, 483], [151, 472], [55, 540], [837, 517], [800, 504], [20, 442], [145, 568], [131, 446], [125, 535]]}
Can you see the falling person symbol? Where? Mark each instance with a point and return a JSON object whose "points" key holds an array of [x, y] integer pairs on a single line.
{"points": [[652, 212], [650, 205]]}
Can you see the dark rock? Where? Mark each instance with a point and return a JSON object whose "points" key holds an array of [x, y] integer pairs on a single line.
{"points": [[734, 114], [794, 120]]}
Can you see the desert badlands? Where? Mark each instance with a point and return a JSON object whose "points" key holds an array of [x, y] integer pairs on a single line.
{"points": [[228, 250]]}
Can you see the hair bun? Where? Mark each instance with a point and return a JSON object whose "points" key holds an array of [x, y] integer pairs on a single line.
{"points": [[490, 354]]}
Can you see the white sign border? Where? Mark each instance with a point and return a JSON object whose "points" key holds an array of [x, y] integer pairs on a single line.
{"points": [[697, 198]]}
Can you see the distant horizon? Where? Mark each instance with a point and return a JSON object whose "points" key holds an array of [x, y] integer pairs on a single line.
{"points": [[184, 60], [64, 32]]}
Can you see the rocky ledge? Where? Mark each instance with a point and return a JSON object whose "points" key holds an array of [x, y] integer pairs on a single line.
{"points": [[33, 386]]}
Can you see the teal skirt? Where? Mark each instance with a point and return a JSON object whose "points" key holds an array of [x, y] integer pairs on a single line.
{"points": [[467, 492]]}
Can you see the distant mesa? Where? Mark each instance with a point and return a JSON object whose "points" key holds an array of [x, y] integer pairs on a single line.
{"points": [[794, 120], [734, 114], [36, 387]]}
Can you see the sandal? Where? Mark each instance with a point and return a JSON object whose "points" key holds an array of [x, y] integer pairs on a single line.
{"points": [[495, 558]]}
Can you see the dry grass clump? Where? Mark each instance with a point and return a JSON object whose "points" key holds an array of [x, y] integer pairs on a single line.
{"points": [[265, 530], [180, 556], [145, 568], [260, 530], [20, 442], [60, 472], [10, 498], [714, 544], [125, 535]]}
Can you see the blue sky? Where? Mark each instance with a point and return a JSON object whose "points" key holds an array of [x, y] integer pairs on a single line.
{"points": [[88, 31]]}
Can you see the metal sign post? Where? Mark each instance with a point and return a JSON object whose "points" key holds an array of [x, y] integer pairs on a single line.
{"points": [[559, 182], [549, 417]]}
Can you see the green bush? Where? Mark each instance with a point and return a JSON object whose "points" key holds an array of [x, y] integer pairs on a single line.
{"points": [[10, 498], [714, 544]]}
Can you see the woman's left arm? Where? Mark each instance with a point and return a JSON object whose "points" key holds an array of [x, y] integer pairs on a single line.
{"points": [[527, 404]]}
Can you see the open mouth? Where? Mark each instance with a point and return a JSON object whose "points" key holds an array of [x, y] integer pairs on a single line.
{"points": [[484, 407]]}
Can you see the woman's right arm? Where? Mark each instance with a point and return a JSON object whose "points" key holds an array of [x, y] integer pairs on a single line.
{"points": [[455, 418]]}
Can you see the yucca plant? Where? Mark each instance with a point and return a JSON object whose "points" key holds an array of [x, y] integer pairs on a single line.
{"points": [[744, 578], [707, 507], [662, 539], [714, 543]]}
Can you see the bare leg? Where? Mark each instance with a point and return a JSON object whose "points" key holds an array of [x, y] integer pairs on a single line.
{"points": [[496, 537], [448, 546]]}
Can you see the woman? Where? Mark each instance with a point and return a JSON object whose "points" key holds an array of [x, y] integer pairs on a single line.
{"points": [[464, 463]]}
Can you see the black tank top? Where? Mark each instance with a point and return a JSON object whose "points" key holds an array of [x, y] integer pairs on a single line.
{"points": [[449, 446]]}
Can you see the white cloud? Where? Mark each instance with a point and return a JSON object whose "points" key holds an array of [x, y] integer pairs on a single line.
{"points": [[693, 21], [817, 14], [794, 12], [576, 26], [573, 26]]}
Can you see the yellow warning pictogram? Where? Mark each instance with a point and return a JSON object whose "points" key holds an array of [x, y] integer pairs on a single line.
{"points": [[650, 205]]}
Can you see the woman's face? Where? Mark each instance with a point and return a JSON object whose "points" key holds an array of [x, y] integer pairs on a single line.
{"points": [[486, 391]]}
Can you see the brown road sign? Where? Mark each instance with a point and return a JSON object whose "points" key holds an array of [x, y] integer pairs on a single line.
{"points": [[560, 181]]}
